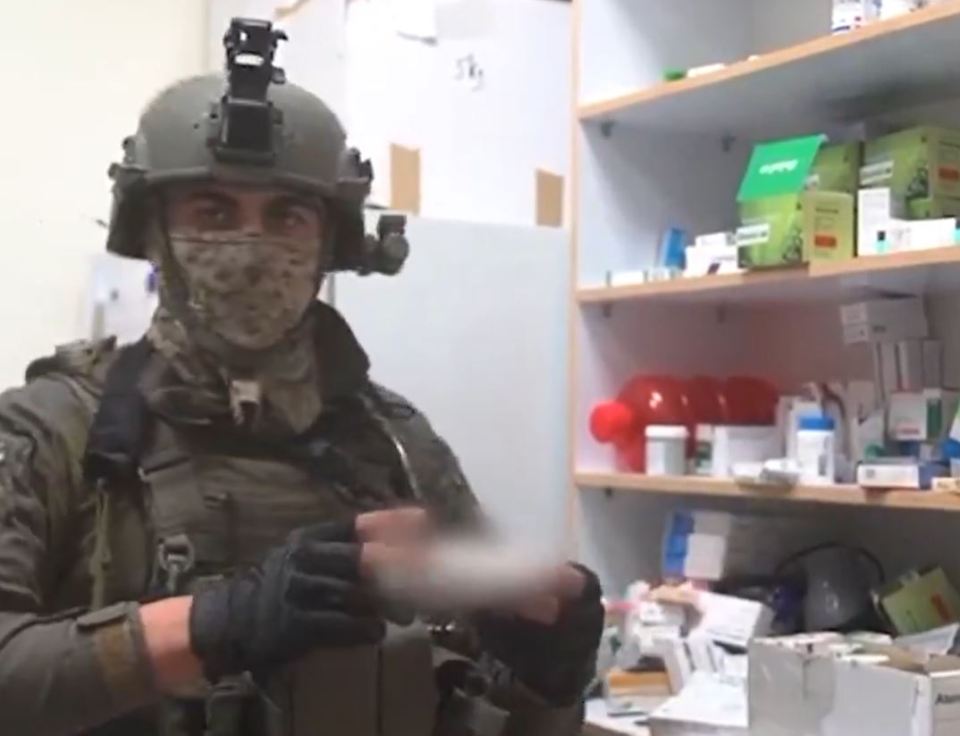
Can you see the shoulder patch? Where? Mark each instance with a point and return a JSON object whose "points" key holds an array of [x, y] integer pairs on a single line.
{"points": [[75, 357]]}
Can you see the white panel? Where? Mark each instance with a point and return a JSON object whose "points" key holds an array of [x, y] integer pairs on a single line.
{"points": [[474, 332], [628, 44], [481, 140]]}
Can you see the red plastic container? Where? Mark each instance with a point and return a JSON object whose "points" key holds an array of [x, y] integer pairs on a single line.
{"points": [[750, 401], [643, 401], [646, 400]]}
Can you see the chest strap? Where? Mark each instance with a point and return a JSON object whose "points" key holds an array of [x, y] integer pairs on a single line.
{"points": [[118, 432]]}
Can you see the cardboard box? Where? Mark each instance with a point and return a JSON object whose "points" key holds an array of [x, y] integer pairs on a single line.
{"points": [[629, 692], [907, 235], [919, 365], [886, 369], [798, 689], [876, 208], [910, 369], [730, 620], [747, 544], [893, 8], [710, 705], [782, 222], [919, 602], [916, 164], [789, 411], [848, 15], [884, 320], [707, 260], [836, 168], [920, 416], [734, 444], [931, 208], [889, 475]]}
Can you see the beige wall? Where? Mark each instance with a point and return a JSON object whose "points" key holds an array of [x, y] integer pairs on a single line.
{"points": [[75, 76]]}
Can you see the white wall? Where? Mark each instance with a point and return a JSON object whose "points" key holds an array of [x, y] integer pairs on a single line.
{"points": [[479, 147], [77, 74], [314, 57], [464, 334]]}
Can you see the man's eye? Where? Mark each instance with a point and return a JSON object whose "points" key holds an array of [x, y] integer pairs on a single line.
{"points": [[292, 218], [214, 215]]}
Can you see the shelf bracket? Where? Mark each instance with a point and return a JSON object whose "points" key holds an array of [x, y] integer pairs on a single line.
{"points": [[606, 128]]}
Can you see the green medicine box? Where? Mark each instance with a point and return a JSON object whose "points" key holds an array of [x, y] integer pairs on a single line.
{"points": [[918, 165], [836, 168], [783, 222], [933, 208]]}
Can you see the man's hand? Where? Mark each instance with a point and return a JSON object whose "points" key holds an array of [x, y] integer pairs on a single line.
{"points": [[307, 594], [550, 642]]}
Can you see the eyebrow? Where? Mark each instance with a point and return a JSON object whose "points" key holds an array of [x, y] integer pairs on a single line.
{"points": [[210, 194], [294, 199]]}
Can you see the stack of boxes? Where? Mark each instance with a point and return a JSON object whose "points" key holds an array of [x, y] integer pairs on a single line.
{"points": [[901, 445], [825, 683], [707, 546], [801, 200], [910, 191], [849, 15], [796, 203]]}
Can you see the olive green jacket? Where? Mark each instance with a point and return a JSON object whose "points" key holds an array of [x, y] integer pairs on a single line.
{"points": [[67, 666]]}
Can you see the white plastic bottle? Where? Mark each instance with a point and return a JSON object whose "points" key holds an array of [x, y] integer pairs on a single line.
{"points": [[666, 449], [816, 449]]}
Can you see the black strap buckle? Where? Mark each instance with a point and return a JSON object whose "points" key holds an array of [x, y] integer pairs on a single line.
{"points": [[465, 708], [175, 559]]}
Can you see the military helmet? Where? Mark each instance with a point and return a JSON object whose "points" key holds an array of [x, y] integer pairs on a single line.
{"points": [[250, 126]]}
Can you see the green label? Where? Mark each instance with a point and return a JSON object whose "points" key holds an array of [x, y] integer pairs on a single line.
{"points": [[781, 167]]}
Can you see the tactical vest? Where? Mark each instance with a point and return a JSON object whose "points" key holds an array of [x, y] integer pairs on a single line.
{"points": [[181, 505]]}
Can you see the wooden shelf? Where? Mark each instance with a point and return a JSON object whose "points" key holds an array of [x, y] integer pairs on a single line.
{"points": [[906, 60], [844, 495], [914, 272]]}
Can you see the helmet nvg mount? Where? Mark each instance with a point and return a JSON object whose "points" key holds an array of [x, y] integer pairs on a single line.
{"points": [[249, 126]]}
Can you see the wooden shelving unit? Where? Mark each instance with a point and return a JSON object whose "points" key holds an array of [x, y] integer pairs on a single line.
{"points": [[845, 75], [649, 155], [917, 272], [843, 495]]}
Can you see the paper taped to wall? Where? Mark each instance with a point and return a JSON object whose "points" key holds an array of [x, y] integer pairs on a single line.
{"points": [[404, 179], [549, 199], [122, 298]]}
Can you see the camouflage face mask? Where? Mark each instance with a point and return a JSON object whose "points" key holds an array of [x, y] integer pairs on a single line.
{"points": [[250, 290]]}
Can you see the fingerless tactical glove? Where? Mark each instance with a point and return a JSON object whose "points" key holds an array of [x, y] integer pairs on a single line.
{"points": [[556, 661], [305, 595]]}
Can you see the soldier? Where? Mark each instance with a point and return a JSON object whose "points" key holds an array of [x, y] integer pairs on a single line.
{"points": [[190, 525]]}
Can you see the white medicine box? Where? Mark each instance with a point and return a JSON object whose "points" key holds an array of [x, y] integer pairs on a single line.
{"points": [[884, 320], [880, 692]]}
